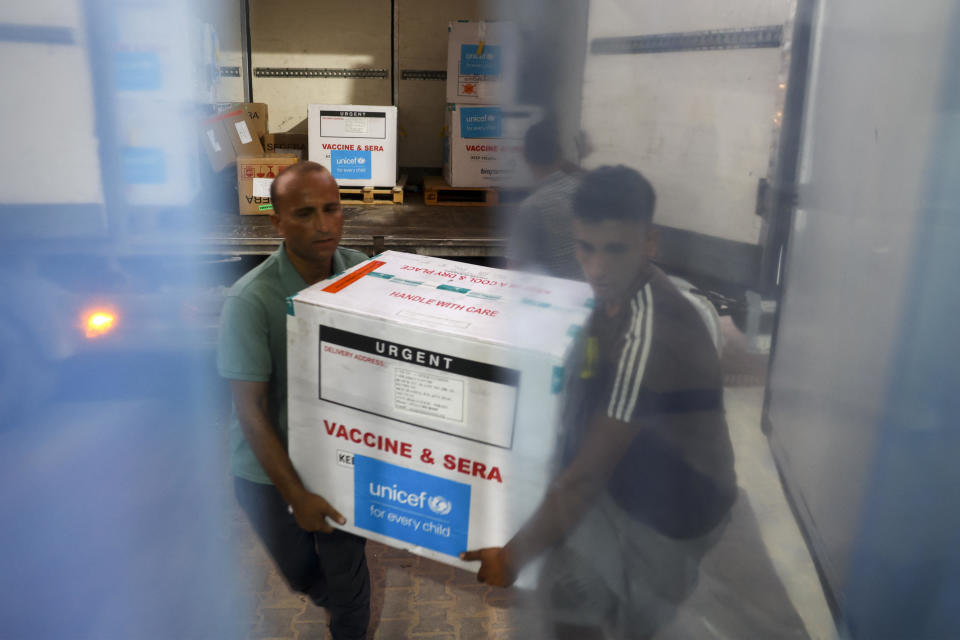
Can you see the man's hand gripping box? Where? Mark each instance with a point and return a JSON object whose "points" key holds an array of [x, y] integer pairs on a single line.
{"points": [[424, 397]]}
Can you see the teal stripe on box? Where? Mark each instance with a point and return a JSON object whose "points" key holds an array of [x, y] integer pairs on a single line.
{"points": [[535, 303], [412, 283], [385, 276], [447, 287], [290, 309], [559, 376], [485, 296]]}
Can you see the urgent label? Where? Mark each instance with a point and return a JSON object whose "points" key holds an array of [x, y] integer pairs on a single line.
{"points": [[457, 396]]}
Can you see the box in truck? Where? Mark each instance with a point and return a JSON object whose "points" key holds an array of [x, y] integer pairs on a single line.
{"points": [[256, 111], [483, 145], [424, 397], [295, 143], [482, 62], [357, 143], [227, 136], [255, 174]]}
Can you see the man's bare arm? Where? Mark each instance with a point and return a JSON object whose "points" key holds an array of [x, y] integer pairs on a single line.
{"points": [[569, 497], [309, 509]]}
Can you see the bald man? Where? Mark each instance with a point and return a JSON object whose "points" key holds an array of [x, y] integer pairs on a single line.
{"points": [[324, 563]]}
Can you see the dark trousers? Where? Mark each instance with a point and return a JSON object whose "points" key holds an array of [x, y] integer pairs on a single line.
{"points": [[330, 568]]}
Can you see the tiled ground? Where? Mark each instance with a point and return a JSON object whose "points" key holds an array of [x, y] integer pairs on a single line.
{"points": [[412, 598]]}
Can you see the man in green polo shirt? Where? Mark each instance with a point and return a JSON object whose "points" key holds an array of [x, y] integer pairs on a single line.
{"points": [[327, 564]]}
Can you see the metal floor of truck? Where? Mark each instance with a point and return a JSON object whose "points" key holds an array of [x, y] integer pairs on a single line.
{"points": [[758, 582]]}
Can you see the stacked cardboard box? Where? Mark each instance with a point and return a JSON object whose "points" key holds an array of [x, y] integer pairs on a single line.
{"points": [[484, 145], [256, 111], [483, 141], [229, 135], [295, 143], [255, 174], [423, 397], [482, 62], [238, 135]]}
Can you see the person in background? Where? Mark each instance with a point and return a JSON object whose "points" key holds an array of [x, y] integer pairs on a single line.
{"points": [[327, 564], [647, 477], [540, 231]]}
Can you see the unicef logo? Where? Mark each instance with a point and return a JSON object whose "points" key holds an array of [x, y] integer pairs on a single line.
{"points": [[361, 160], [440, 505]]}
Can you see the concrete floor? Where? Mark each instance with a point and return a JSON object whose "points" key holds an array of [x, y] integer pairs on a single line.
{"points": [[758, 582]]}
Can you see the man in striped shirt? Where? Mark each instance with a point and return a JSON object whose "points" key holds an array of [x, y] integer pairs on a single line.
{"points": [[647, 478]]}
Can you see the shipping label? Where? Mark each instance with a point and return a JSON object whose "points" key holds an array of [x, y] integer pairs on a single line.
{"points": [[213, 141], [243, 132], [261, 187], [411, 506], [428, 394]]}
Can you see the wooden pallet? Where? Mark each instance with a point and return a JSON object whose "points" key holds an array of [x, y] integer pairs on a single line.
{"points": [[374, 195], [437, 192]]}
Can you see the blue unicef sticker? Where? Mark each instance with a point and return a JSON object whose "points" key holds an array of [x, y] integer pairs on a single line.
{"points": [[415, 507], [480, 122], [486, 63], [355, 165]]}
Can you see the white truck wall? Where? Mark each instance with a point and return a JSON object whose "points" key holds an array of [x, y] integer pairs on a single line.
{"points": [[343, 34], [50, 125], [225, 17], [698, 124], [864, 165], [338, 34], [422, 45], [554, 34]]}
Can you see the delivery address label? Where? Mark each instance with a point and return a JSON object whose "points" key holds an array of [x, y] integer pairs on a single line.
{"points": [[428, 394]]}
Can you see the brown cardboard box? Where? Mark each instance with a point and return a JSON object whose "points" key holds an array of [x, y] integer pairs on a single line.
{"points": [[295, 143], [242, 133], [227, 136], [254, 175], [256, 111], [217, 144]]}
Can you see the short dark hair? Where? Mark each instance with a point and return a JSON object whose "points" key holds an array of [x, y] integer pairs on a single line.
{"points": [[614, 193], [541, 146], [304, 166]]}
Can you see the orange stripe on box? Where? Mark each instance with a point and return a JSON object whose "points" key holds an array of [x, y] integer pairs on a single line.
{"points": [[223, 116], [348, 280]]}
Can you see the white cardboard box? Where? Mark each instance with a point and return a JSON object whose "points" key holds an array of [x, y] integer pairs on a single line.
{"points": [[482, 62], [357, 143], [483, 145], [424, 397]]}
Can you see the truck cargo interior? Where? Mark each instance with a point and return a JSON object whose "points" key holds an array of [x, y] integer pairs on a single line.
{"points": [[578, 318]]}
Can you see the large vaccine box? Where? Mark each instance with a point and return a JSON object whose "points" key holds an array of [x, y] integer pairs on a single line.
{"points": [[483, 145], [424, 397], [357, 143]]}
